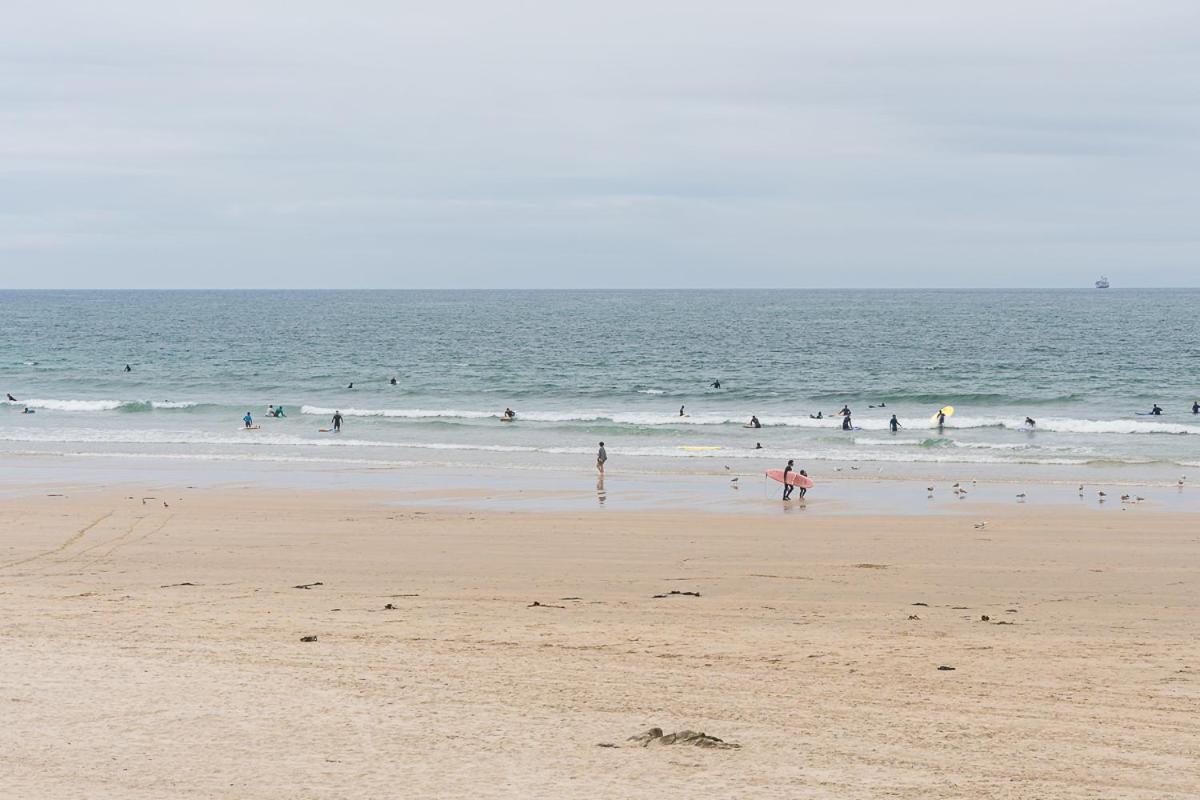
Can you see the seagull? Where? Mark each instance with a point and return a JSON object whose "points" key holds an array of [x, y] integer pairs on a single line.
{"points": [[726, 466], [980, 526], [1139, 499], [733, 480], [1021, 496], [837, 469], [1124, 497], [854, 468], [929, 489], [955, 486]]}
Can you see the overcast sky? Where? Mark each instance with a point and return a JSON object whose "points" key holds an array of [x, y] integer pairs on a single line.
{"points": [[602, 144]]}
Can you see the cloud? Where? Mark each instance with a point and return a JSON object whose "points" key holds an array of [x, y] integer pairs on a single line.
{"points": [[618, 144]]}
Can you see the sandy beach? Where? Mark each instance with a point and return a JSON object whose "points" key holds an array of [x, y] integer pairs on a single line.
{"points": [[152, 647]]}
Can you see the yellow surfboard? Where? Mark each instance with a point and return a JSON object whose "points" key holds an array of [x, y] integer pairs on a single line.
{"points": [[947, 410]]}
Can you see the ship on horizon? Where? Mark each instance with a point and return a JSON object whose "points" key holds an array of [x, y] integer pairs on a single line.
{"points": [[1102, 283]]}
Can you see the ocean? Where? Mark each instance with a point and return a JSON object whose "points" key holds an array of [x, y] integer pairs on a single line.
{"points": [[583, 366]]}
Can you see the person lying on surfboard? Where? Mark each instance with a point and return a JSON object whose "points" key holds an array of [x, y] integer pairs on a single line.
{"points": [[509, 414]]}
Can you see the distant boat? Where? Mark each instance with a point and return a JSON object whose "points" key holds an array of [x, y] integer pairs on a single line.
{"points": [[1102, 283]]}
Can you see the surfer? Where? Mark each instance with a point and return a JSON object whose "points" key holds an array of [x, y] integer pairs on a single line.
{"points": [[754, 423], [817, 415], [787, 487], [337, 421], [894, 424], [803, 489], [11, 399], [248, 420], [1195, 405], [351, 386], [758, 445], [270, 411], [1156, 411], [601, 457], [845, 412], [393, 381], [681, 412], [279, 411], [27, 410], [1030, 422], [128, 368], [941, 418], [846, 424], [716, 384], [509, 415]]}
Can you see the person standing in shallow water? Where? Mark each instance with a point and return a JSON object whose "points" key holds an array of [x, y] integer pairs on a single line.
{"points": [[337, 422], [894, 424], [601, 458]]}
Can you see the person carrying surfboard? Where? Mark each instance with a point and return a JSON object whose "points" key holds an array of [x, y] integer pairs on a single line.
{"points": [[787, 487], [941, 418]]}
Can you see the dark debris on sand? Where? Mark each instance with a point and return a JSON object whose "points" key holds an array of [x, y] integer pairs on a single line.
{"points": [[656, 738]]}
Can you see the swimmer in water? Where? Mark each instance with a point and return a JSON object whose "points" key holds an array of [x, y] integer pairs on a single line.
{"points": [[509, 414], [758, 446], [393, 381], [1156, 411], [279, 411], [754, 423], [27, 410], [128, 368], [818, 415], [1030, 422], [715, 384], [351, 386]]}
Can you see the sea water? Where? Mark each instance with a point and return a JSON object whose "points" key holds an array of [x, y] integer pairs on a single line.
{"points": [[579, 367]]}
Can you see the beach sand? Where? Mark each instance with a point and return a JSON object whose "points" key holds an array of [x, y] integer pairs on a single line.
{"points": [[151, 651]]}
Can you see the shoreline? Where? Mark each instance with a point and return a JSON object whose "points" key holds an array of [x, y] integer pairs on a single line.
{"points": [[849, 490]]}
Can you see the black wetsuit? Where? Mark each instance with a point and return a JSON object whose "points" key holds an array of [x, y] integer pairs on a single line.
{"points": [[894, 424], [337, 422], [787, 487], [846, 423]]}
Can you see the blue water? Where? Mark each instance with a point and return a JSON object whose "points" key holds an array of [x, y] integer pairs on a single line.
{"points": [[583, 366]]}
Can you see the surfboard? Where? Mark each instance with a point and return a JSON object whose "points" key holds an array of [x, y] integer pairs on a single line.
{"points": [[793, 478], [1148, 414], [698, 447], [326, 430], [252, 428], [947, 410]]}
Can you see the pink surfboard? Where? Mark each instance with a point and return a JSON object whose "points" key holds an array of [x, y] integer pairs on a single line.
{"points": [[794, 478]]}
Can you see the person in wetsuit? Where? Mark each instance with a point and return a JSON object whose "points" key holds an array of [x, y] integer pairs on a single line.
{"points": [[941, 419], [846, 423], [1031, 422], [787, 487], [11, 399], [1156, 411], [337, 421], [894, 423], [754, 423], [1195, 406]]}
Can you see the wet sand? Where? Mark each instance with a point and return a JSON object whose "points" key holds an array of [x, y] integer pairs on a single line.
{"points": [[153, 650]]}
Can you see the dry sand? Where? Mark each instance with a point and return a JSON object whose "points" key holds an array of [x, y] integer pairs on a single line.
{"points": [[155, 652]]}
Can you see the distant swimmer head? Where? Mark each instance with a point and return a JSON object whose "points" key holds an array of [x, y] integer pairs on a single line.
{"points": [[758, 445], [351, 386]]}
